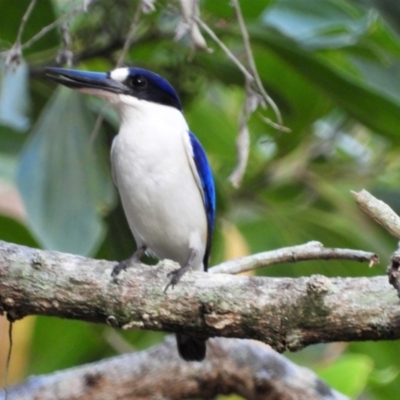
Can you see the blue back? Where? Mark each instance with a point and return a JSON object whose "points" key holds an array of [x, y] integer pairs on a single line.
{"points": [[207, 183]]}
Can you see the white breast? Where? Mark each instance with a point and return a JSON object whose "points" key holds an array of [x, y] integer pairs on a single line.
{"points": [[159, 190]]}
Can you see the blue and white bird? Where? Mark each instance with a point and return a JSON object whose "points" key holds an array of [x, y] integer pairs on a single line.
{"points": [[161, 172]]}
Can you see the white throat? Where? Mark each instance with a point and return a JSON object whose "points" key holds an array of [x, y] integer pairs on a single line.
{"points": [[136, 114]]}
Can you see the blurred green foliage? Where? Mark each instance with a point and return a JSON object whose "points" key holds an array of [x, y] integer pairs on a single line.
{"points": [[332, 67]]}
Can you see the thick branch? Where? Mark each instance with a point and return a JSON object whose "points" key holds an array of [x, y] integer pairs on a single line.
{"points": [[245, 367], [283, 312]]}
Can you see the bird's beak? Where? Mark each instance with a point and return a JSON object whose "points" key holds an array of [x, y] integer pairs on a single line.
{"points": [[97, 83]]}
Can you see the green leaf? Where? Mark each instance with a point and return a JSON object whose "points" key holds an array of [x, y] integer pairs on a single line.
{"points": [[42, 15], [365, 103], [58, 344], [382, 76], [299, 100], [118, 243], [349, 374], [390, 10], [386, 360], [213, 119], [322, 24], [63, 179], [385, 376], [14, 232], [225, 10]]}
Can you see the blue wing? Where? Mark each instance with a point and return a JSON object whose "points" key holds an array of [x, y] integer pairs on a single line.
{"points": [[207, 184]]}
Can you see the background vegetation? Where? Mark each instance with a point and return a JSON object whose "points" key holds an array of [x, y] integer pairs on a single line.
{"points": [[332, 67]]}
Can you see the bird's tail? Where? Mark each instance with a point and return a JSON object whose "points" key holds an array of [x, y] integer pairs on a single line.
{"points": [[191, 348]]}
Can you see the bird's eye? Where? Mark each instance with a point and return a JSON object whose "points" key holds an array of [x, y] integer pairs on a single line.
{"points": [[138, 82]]}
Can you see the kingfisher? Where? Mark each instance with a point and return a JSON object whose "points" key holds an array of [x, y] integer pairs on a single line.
{"points": [[161, 172]]}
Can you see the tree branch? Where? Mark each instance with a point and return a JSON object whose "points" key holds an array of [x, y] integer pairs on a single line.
{"points": [[244, 367], [379, 211], [305, 252], [285, 313]]}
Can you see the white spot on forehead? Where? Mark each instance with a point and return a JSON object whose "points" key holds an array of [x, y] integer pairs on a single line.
{"points": [[119, 74]]}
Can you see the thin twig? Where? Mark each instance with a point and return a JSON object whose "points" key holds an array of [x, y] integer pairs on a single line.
{"points": [[228, 53], [121, 59], [65, 55], [97, 126], [10, 344], [253, 67], [254, 86], [117, 342], [51, 26], [274, 124], [190, 10], [131, 34], [378, 211], [253, 100], [24, 20], [243, 138], [13, 55], [305, 252]]}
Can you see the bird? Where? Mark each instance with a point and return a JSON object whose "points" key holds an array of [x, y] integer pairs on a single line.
{"points": [[161, 172]]}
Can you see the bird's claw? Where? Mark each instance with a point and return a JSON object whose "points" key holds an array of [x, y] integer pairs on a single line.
{"points": [[175, 276], [125, 264], [121, 266]]}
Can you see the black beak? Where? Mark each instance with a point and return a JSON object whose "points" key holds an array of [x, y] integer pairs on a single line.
{"points": [[81, 80]]}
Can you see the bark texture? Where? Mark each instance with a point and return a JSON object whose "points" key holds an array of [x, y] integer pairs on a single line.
{"points": [[244, 367], [285, 313], [379, 211]]}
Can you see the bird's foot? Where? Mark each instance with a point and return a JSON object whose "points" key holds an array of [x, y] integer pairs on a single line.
{"points": [[125, 264], [176, 276], [121, 266]]}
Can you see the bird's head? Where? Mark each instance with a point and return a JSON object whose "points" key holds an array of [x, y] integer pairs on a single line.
{"points": [[121, 86]]}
